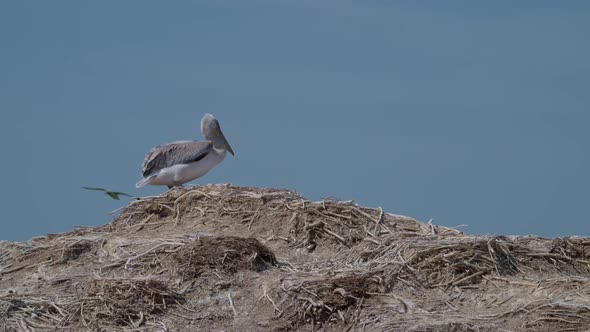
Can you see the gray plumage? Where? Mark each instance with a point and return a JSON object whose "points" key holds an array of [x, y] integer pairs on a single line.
{"points": [[176, 163], [180, 152]]}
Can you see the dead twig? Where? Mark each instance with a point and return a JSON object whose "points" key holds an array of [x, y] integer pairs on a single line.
{"points": [[231, 304]]}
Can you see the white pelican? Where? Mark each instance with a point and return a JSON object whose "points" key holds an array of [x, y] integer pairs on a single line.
{"points": [[179, 162]]}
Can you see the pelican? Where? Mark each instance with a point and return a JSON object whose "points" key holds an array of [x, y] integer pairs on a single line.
{"points": [[176, 163]]}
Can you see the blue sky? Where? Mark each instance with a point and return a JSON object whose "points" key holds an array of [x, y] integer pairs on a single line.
{"points": [[467, 112]]}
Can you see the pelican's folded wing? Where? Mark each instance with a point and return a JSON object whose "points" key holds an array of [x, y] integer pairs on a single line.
{"points": [[181, 152]]}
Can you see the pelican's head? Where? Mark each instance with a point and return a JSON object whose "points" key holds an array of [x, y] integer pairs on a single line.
{"points": [[212, 131]]}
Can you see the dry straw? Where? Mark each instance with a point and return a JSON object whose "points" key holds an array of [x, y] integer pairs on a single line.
{"points": [[222, 257]]}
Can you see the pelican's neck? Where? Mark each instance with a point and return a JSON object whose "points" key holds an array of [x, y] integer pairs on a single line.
{"points": [[219, 152], [217, 141]]}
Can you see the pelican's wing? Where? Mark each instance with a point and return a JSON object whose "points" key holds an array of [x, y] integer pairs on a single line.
{"points": [[181, 152]]}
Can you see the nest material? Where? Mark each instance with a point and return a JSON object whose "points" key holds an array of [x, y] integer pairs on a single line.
{"points": [[229, 254], [322, 299], [219, 257], [20, 311], [124, 302], [72, 251], [98, 303], [459, 262]]}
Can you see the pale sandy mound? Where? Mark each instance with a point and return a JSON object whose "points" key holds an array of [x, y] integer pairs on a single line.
{"points": [[223, 258]]}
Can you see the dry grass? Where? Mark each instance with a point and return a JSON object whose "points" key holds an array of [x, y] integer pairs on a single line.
{"points": [[227, 253], [96, 304], [330, 298], [124, 302], [235, 258]]}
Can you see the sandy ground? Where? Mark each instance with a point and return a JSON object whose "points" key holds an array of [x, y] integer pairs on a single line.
{"points": [[223, 258]]}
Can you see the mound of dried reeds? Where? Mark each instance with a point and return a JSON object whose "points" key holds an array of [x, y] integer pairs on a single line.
{"points": [[29, 312], [337, 298], [124, 302], [228, 254], [219, 257]]}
